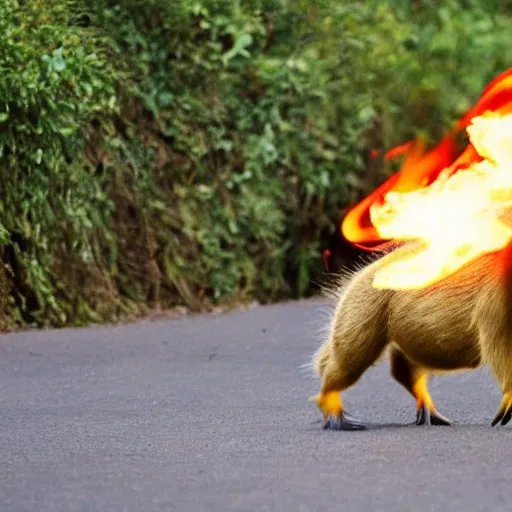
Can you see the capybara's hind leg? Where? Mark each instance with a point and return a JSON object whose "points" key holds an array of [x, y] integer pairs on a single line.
{"points": [[358, 337], [414, 379]]}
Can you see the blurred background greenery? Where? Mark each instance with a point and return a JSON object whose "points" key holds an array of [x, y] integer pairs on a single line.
{"points": [[161, 153]]}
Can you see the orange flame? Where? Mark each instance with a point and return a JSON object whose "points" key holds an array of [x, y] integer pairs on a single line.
{"points": [[452, 204]]}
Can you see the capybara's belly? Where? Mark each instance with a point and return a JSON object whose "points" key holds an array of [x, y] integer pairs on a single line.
{"points": [[434, 327]]}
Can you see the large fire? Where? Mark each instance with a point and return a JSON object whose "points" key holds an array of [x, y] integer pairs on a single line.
{"points": [[452, 208]]}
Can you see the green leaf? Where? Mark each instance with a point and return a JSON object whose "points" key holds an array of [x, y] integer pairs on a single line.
{"points": [[165, 99], [39, 156]]}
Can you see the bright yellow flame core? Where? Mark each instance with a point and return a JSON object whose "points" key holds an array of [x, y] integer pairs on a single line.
{"points": [[456, 218]]}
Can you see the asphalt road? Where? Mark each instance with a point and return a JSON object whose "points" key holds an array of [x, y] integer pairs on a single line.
{"points": [[211, 413]]}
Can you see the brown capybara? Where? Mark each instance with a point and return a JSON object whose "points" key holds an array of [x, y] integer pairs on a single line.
{"points": [[461, 322]]}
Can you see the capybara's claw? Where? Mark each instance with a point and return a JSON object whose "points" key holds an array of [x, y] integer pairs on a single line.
{"points": [[437, 419], [499, 416], [428, 417], [421, 416], [342, 422], [506, 417]]}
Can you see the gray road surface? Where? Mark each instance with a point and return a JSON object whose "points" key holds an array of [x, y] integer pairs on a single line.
{"points": [[210, 413]]}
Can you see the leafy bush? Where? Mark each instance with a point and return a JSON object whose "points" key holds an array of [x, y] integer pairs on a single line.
{"points": [[178, 152], [55, 79]]}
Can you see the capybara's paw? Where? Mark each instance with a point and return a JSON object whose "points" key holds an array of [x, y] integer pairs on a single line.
{"points": [[342, 422], [426, 416]]}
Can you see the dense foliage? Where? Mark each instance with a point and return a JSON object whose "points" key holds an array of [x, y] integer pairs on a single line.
{"points": [[189, 152]]}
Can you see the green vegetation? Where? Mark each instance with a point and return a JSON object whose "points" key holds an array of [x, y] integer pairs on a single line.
{"points": [[183, 152]]}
